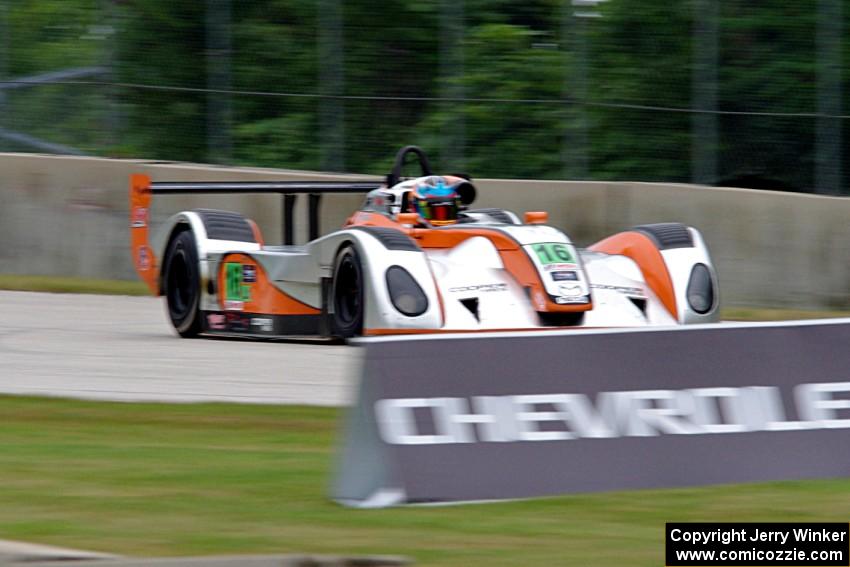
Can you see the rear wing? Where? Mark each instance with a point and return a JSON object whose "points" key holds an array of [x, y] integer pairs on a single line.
{"points": [[289, 189], [142, 190]]}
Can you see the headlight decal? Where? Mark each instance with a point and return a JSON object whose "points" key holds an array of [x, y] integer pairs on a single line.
{"points": [[700, 290], [406, 295]]}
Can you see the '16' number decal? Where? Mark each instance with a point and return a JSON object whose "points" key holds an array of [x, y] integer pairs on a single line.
{"points": [[554, 253]]}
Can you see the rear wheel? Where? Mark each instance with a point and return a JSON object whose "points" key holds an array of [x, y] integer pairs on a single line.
{"points": [[182, 284], [347, 294]]}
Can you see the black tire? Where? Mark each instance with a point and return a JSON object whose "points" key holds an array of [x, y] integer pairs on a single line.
{"points": [[347, 294], [182, 284]]}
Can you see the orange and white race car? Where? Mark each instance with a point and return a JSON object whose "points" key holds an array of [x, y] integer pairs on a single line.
{"points": [[414, 259]]}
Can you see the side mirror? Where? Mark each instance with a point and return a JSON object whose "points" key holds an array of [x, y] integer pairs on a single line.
{"points": [[466, 191], [536, 217]]}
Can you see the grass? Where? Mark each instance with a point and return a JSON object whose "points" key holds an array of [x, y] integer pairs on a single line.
{"points": [[764, 314], [57, 284], [156, 479]]}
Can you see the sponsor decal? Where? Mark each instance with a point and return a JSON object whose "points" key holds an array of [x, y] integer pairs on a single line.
{"points": [[571, 294], [570, 290], [570, 276], [235, 290], [237, 323], [553, 267], [139, 218], [231, 305], [249, 273], [216, 322], [569, 300], [554, 253], [620, 288], [610, 415], [262, 324], [481, 288], [143, 260], [230, 321]]}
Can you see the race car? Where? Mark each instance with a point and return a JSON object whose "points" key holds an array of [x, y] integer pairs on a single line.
{"points": [[416, 258]]}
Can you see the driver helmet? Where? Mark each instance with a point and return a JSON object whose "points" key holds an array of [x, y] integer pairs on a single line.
{"points": [[435, 199]]}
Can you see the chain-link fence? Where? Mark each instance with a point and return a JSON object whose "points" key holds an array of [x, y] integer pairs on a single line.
{"points": [[733, 92]]}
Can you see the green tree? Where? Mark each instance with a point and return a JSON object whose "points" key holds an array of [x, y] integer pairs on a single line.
{"points": [[161, 43], [391, 52], [768, 64], [505, 62], [640, 57], [639, 61], [48, 36], [274, 51]]}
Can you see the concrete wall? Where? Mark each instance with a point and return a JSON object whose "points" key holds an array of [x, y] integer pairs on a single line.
{"points": [[68, 216]]}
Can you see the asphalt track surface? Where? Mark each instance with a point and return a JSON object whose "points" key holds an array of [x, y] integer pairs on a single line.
{"points": [[123, 348]]}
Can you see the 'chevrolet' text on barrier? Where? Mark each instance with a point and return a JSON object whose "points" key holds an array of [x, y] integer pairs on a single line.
{"points": [[482, 417], [765, 544], [640, 413]]}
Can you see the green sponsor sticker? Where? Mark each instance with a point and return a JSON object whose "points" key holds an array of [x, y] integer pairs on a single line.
{"points": [[553, 253], [234, 288]]}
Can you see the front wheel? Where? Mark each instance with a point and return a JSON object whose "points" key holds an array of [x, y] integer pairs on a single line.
{"points": [[182, 284], [347, 292]]}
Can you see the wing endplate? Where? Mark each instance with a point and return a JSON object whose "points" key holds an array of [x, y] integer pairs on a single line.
{"points": [[144, 259]]}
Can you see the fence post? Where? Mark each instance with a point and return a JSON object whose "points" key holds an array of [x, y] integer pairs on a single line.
{"points": [[828, 160], [331, 63], [452, 24], [704, 136], [219, 144], [4, 57], [111, 108]]}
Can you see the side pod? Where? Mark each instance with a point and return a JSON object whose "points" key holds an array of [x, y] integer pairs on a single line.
{"points": [[676, 265]]}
